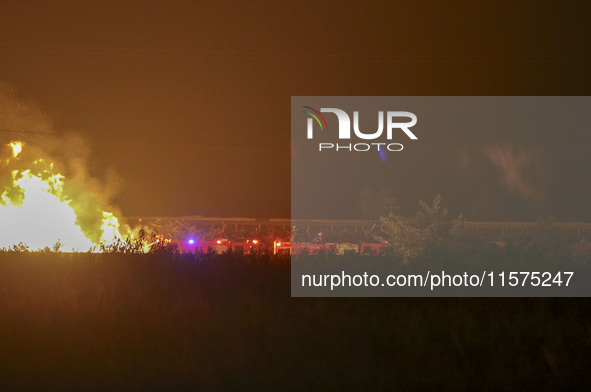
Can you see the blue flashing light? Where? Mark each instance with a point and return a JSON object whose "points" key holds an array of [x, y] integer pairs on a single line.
{"points": [[191, 241]]}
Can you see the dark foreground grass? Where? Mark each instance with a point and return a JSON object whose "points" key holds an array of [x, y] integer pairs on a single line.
{"points": [[150, 322]]}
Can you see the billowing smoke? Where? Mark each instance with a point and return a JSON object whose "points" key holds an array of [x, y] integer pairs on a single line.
{"points": [[46, 151], [521, 169]]}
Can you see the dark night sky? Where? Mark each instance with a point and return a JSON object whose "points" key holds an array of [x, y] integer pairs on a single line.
{"points": [[189, 101]]}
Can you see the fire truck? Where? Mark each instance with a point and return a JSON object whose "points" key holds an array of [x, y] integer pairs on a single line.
{"points": [[219, 246]]}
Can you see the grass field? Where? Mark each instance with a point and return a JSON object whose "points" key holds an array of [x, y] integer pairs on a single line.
{"points": [[227, 322]]}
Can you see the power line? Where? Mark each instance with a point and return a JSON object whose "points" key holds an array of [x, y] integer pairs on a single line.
{"points": [[280, 56], [35, 132], [130, 121], [162, 141]]}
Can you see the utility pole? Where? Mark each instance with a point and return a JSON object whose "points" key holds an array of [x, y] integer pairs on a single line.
{"points": [[390, 204]]}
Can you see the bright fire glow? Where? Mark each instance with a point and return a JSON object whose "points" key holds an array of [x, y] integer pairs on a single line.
{"points": [[36, 210], [16, 147]]}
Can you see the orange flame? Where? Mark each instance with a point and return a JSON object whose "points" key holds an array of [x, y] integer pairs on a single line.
{"points": [[36, 210]]}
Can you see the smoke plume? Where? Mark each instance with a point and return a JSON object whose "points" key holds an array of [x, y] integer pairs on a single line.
{"points": [[45, 150], [521, 169]]}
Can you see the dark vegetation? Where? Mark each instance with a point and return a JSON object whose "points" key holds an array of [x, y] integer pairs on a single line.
{"points": [[432, 233], [164, 321]]}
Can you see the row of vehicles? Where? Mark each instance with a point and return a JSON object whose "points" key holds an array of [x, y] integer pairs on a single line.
{"points": [[364, 248], [193, 245]]}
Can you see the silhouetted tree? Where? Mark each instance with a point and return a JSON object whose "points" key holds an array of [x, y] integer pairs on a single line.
{"points": [[411, 237]]}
